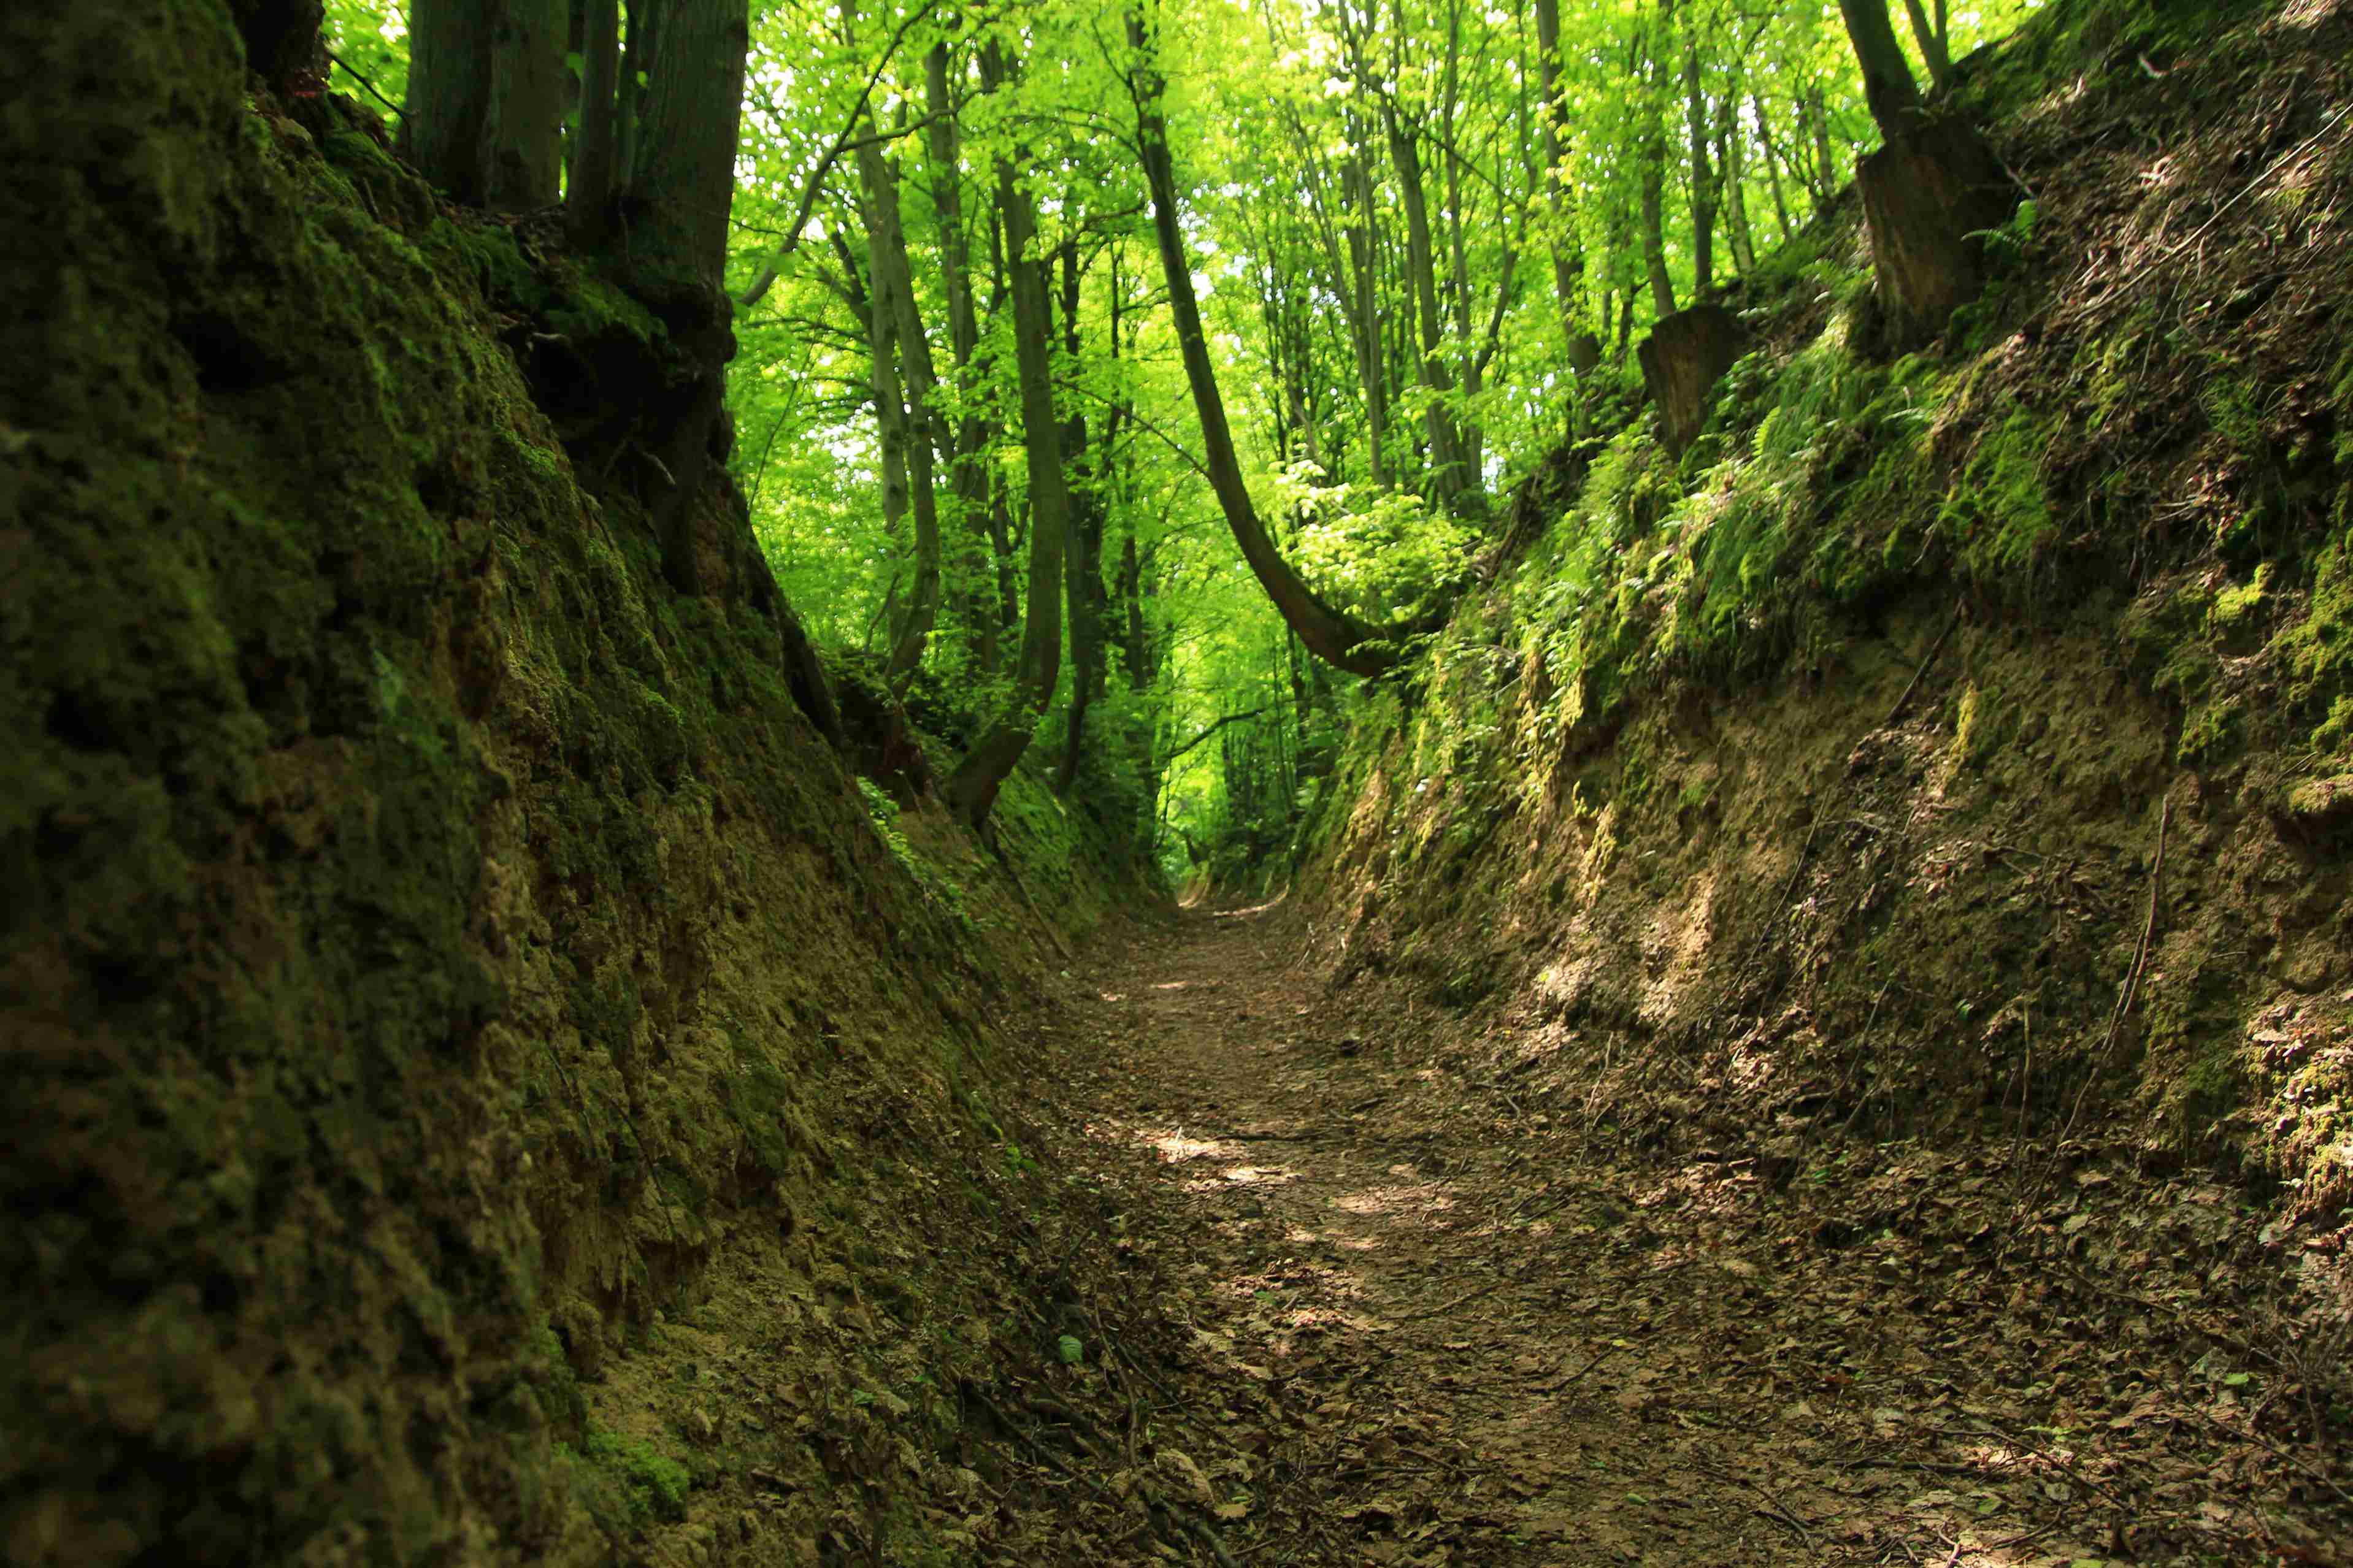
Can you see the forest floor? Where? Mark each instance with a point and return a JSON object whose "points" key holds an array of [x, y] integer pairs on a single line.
{"points": [[1431, 1325]]}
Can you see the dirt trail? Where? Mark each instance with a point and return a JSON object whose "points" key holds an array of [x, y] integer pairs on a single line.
{"points": [[1436, 1337]]}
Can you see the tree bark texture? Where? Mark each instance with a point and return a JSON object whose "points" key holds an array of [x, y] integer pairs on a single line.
{"points": [[282, 36], [522, 129], [678, 201], [1925, 195], [448, 96]]}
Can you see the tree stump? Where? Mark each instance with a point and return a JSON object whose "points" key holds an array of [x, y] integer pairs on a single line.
{"points": [[1685, 356], [1924, 197]]}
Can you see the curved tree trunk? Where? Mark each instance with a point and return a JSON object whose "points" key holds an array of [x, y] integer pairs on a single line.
{"points": [[1328, 632]]}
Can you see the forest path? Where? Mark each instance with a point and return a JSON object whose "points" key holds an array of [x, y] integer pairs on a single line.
{"points": [[1427, 1339]]}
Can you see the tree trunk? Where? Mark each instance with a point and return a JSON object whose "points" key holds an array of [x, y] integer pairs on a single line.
{"points": [[1446, 476], [970, 570], [972, 789], [280, 37], [1825, 167], [522, 131], [1650, 150], [1732, 158], [448, 98], [637, 63], [927, 434], [684, 183], [890, 422], [1935, 46], [1703, 177], [1372, 367], [1925, 194], [1567, 260], [1772, 167], [1083, 551], [1887, 84], [677, 204], [1330, 633], [589, 205], [1135, 644]]}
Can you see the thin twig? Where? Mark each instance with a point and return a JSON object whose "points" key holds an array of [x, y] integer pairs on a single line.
{"points": [[1934, 649], [345, 67], [2280, 162]]}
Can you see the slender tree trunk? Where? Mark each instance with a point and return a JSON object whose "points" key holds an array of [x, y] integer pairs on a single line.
{"points": [[1826, 176], [1372, 368], [1447, 478], [1135, 648], [890, 422], [972, 789], [1083, 551], [1935, 46], [1887, 84], [637, 69], [1329, 633], [1567, 267], [1653, 153], [589, 205], [1703, 177], [1772, 166], [896, 308], [970, 570], [1733, 160]]}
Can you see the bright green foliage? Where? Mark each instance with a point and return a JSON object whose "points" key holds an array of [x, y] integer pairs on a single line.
{"points": [[1318, 142]]}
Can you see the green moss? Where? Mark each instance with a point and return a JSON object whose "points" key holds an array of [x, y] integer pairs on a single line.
{"points": [[2000, 514], [626, 1482], [2318, 649]]}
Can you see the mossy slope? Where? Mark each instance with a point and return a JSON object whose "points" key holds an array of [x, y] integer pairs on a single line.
{"points": [[1833, 762], [454, 1003]]}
